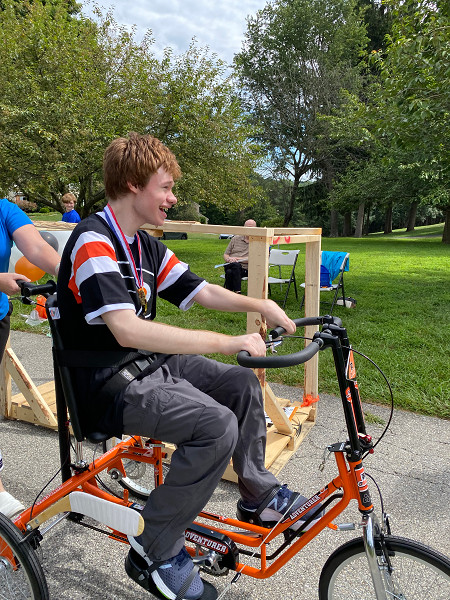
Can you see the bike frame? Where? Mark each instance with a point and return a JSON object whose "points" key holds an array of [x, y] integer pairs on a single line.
{"points": [[251, 540]]}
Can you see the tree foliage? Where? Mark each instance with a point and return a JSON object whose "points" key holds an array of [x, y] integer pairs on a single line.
{"points": [[297, 56], [413, 104], [71, 85]]}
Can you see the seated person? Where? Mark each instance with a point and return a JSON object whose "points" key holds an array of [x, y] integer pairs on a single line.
{"points": [[236, 255], [111, 272], [70, 216]]}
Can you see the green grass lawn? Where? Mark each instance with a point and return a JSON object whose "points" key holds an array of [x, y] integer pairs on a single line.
{"points": [[402, 289]]}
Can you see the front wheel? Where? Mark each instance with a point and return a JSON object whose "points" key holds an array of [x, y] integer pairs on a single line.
{"points": [[419, 572], [21, 575]]}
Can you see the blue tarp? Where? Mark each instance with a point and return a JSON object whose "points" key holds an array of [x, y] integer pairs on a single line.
{"points": [[331, 264]]}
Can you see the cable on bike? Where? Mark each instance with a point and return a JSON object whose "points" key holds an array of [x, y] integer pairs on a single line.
{"points": [[390, 392], [67, 459]]}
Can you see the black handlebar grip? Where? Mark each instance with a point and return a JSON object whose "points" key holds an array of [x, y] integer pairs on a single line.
{"points": [[275, 361], [28, 289], [304, 322]]}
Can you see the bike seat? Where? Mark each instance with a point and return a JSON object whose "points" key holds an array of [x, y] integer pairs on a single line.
{"points": [[97, 437]]}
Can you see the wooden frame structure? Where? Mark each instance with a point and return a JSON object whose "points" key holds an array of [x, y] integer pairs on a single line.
{"points": [[37, 404]]}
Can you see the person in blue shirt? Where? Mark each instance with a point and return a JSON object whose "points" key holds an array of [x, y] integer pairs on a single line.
{"points": [[16, 227], [70, 216]]}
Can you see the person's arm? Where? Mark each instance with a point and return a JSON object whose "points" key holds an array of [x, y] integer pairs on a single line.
{"points": [[230, 259], [36, 249], [218, 298], [130, 331]]}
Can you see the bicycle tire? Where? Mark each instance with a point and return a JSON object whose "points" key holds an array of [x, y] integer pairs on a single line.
{"points": [[139, 480], [21, 574], [419, 572]]}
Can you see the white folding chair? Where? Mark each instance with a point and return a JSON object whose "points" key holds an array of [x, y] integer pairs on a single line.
{"points": [[283, 258]]}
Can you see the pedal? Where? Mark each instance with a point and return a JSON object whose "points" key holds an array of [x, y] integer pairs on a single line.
{"points": [[216, 551]]}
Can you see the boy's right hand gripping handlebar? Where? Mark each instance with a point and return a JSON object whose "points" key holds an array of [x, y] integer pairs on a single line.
{"points": [[288, 360]]}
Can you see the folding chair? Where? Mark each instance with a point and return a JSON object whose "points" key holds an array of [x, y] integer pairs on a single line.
{"points": [[283, 258], [332, 264]]}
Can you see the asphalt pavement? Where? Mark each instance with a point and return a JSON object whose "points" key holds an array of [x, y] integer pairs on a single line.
{"points": [[411, 467]]}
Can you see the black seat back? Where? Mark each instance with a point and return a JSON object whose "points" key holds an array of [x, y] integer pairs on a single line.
{"points": [[64, 389]]}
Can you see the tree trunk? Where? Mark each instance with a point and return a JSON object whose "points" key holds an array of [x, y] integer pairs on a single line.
{"points": [[359, 221], [412, 216], [289, 213], [334, 228], [446, 233], [347, 231], [388, 219], [366, 226]]}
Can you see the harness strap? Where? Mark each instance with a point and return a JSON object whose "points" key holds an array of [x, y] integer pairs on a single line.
{"points": [[98, 359], [137, 369]]}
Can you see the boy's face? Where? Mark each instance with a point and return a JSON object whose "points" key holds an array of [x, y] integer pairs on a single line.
{"points": [[69, 205], [152, 201]]}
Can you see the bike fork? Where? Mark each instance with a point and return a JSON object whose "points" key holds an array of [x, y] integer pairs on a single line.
{"points": [[380, 573]]}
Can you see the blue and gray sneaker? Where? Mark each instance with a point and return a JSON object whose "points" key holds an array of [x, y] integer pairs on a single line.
{"points": [[169, 577], [280, 501]]}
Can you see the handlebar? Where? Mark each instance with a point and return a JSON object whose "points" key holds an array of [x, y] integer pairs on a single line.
{"points": [[289, 360], [28, 289], [304, 322], [283, 360]]}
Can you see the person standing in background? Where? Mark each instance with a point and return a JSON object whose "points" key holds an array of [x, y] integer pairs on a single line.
{"points": [[70, 216], [16, 227]]}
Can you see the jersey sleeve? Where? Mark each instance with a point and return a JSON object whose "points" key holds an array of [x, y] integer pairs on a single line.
{"points": [[176, 283], [95, 280]]}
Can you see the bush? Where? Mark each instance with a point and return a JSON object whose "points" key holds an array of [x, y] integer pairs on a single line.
{"points": [[26, 205]]}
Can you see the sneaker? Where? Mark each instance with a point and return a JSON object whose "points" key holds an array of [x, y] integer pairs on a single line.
{"points": [[9, 506], [270, 511], [168, 576]]}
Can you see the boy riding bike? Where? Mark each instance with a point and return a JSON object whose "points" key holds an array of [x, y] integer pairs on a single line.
{"points": [[109, 277]]}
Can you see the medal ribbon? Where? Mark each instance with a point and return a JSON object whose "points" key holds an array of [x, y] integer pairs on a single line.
{"points": [[114, 224]]}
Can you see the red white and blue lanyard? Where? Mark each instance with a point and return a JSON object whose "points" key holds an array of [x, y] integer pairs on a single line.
{"points": [[138, 277]]}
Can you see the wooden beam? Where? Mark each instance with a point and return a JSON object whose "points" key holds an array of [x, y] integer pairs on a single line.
{"points": [[30, 392]]}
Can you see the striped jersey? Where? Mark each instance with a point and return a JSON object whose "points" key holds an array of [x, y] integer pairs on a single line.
{"points": [[96, 277]]}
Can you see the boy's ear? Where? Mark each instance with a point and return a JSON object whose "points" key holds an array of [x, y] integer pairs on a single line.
{"points": [[133, 188]]}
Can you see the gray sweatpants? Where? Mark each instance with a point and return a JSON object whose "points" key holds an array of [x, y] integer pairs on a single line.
{"points": [[212, 412]]}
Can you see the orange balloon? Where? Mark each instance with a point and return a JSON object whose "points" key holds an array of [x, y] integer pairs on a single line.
{"points": [[40, 306], [24, 267]]}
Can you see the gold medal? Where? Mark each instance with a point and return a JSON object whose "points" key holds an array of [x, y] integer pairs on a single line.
{"points": [[142, 298]]}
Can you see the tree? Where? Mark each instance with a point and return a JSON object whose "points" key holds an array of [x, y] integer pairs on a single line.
{"points": [[296, 57], [70, 85], [414, 100]]}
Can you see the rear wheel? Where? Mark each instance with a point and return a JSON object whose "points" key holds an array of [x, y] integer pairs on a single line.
{"points": [[419, 572], [140, 477], [21, 575]]}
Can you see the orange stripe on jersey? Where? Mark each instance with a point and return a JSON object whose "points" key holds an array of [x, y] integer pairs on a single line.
{"points": [[173, 260], [91, 250], [75, 291]]}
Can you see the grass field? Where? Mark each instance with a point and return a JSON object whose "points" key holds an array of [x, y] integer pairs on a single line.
{"points": [[401, 284]]}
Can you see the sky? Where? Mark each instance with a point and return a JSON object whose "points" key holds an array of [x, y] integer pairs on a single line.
{"points": [[218, 24]]}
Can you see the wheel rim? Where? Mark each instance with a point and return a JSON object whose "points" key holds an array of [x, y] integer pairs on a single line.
{"points": [[14, 584], [413, 579]]}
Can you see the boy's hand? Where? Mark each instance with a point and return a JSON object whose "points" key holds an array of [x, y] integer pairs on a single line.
{"points": [[276, 317]]}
